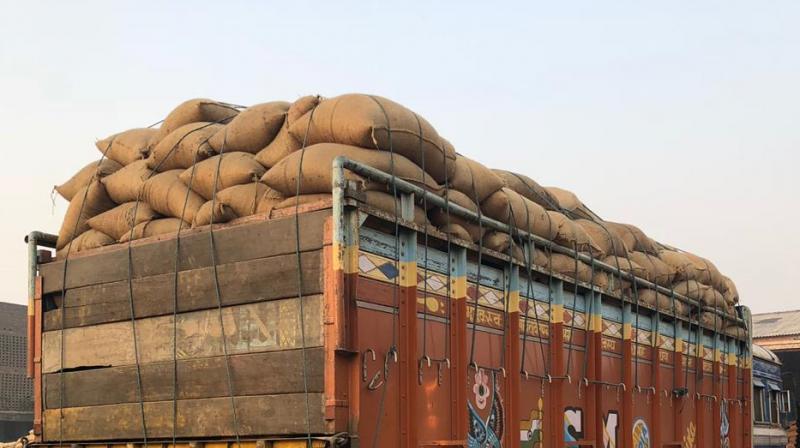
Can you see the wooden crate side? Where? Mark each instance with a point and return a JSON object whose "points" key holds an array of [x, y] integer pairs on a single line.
{"points": [[242, 242], [240, 282], [249, 328], [260, 415], [265, 373]]}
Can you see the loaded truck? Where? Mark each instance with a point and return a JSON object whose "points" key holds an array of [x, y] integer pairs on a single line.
{"points": [[336, 323]]}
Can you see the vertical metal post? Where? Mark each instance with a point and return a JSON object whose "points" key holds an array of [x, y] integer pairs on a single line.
{"points": [[733, 409], [408, 326], [458, 338], [655, 365], [595, 391], [699, 401], [512, 355], [678, 366], [716, 378], [556, 408], [627, 377]]}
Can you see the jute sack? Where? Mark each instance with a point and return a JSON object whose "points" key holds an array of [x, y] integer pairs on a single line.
{"points": [[711, 320], [606, 241], [125, 184], [215, 210], [371, 121], [284, 143], [503, 243], [658, 272], [183, 147], [245, 199], [691, 289], [377, 199], [730, 293], [474, 180], [734, 330], [633, 237], [122, 218], [509, 207], [90, 239], [161, 226], [571, 235], [528, 188], [317, 169], [625, 265], [268, 201], [662, 301], [706, 271], [680, 264], [455, 231], [167, 195], [235, 168], [85, 175], [253, 129], [197, 110], [129, 146], [569, 203], [567, 266], [714, 299], [448, 224], [87, 203]]}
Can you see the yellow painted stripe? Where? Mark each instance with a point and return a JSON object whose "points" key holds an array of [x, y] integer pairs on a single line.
{"points": [[679, 345], [513, 302], [345, 258], [458, 288], [557, 314], [408, 274], [596, 323], [627, 331]]}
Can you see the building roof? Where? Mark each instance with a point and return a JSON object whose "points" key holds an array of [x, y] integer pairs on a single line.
{"points": [[781, 323], [766, 354]]}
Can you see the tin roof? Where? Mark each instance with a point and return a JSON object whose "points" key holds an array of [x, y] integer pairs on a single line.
{"points": [[781, 323]]}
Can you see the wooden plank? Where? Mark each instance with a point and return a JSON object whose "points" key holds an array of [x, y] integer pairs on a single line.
{"points": [[251, 374], [250, 328], [240, 282], [236, 243], [259, 415]]}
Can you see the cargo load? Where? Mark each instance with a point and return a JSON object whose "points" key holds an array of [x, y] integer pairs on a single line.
{"points": [[333, 270]]}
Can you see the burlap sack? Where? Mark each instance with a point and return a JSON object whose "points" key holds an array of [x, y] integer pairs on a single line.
{"points": [[706, 272], [317, 166], [454, 223], [253, 129], [221, 213], [387, 203], [129, 146], [94, 170], [625, 265], [528, 188], [680, 264], [474, 180], [168, 196], [633, 237], [122, 218], [664, 302], [503, 243], [735, 331], [90, 239], [268, 201], [197, 110], [730, 292], [161, 226], [711, 320], [236, 168], [284, 143], [509, 207], [87, 203], [183, 147], [658, 272], [125, 184], [691, 289], [571, 235], [245, 199], [361, 120], [606, 241], [569, 203], [456, 231], [572, 268], [714, 299]]}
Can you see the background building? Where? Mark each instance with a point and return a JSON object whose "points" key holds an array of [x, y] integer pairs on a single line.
{"points": [[16, 390]]}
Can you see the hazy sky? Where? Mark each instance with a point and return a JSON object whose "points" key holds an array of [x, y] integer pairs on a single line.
{"points": [[682, 117]]}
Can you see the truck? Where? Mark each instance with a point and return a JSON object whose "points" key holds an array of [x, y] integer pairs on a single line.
{"points": [[335, 323]]}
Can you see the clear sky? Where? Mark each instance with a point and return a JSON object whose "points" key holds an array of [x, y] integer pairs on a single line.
{"points": [[682, 117]]}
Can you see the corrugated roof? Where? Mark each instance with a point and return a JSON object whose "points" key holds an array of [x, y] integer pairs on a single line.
{"points": [[781, 323]]}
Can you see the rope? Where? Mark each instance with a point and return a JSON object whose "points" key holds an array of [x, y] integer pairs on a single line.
{"points": [[529, 255]]}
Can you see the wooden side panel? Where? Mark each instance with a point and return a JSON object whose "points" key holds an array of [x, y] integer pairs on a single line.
{"points": [[255, 327]]}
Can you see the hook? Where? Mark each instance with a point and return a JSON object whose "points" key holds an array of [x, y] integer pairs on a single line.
{"points": [[364, 362], [419, 367]]}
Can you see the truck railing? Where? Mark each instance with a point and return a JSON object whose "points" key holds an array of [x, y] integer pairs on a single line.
{"points": [[408, 190]]}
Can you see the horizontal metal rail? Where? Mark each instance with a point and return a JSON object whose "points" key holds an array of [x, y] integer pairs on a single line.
{"points": [[340, 184]]}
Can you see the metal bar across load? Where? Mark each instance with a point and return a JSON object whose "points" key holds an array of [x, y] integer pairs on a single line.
{"points": [[341, 163]]}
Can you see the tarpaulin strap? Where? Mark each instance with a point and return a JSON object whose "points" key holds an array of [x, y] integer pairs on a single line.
{"points": [[589, 316], [529, 255], [62, 367], [619, 276], [298, 254], [425, 247], [574, 306], [635, 329]]}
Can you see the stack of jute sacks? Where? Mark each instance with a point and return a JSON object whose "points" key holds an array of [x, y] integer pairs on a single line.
{"points": [[215, 162]]}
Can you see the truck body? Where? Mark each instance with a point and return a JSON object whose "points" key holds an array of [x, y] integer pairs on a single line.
{"points": [[338, 324]]}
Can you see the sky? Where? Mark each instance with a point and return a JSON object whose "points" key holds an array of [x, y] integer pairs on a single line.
{"points": [[680, 117]]}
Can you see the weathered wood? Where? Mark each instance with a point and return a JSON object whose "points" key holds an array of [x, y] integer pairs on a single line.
{"points": [[242, 242], [250, 328], [259, 415], [251, 374], [240, 282]]}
